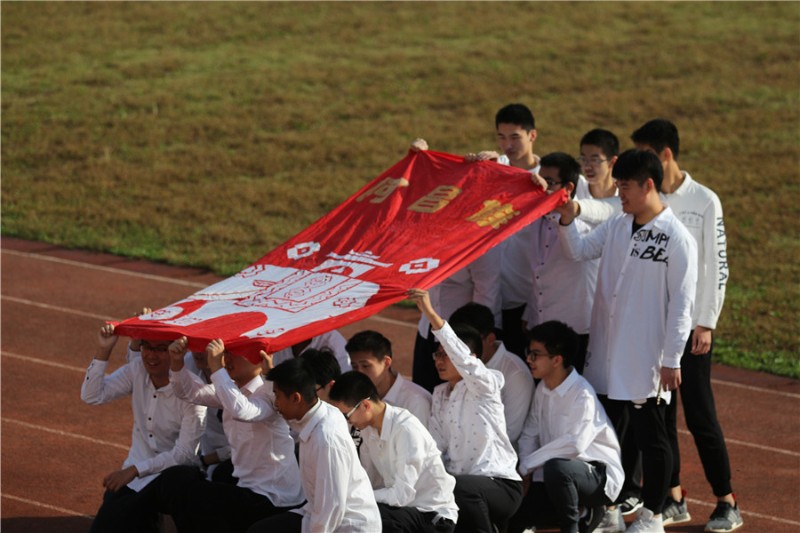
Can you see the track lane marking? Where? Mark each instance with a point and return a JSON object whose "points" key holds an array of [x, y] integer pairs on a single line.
{"points": [[46, 506], [64, 433]]}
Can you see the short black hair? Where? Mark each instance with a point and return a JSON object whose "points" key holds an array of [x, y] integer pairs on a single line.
{"points": [[518, 114], [352, 387], [476, 315], [469, 336], [323, 365], [569, 171], [659, 133], [558, 338], [294, 375], [369, 341], [639, 165], [603, 139]]}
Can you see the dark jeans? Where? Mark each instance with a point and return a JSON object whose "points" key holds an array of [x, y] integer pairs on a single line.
{"points": [[411, 520], [569, 484], [485, 502], [647, 422], [128, 511], [700, 412]]}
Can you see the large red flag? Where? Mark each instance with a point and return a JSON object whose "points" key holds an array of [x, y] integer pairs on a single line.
{"points": [[414, 225]]}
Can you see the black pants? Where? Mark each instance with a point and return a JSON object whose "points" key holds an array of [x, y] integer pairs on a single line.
{"points": [[700, 412], [648, 424], [411, 520], [513, 335], [568, 485], [128, 511], [580, 357], [423, 372], [202, 506], [280, 523], [485, 502]]}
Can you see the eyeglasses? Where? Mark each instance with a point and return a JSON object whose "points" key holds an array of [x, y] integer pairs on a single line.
{"points": [[350, 413], [533, 354], [157, 348], [593, 161], [439, 353], [552, 183]]}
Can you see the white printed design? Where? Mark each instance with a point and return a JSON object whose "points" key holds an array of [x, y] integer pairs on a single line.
{"points": [[420, 266], [305, 249]]}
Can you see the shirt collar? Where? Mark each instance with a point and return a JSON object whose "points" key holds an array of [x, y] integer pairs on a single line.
{"points": [[564, 387], [310, 420]]}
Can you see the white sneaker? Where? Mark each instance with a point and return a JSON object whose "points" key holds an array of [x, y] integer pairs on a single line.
{"points": [[612, 522], [646, 523]]}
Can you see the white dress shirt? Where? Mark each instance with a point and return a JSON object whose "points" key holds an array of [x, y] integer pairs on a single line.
{"points": [[340, 497], [410, 396], [166, 429], [642, 312], [517, 389], [405, 466], [262, 451], [332, 340], [468, 423], [569, 422], [213, 439]]}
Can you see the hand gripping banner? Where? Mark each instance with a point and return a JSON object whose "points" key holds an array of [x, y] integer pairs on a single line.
{"points": [[420, 221]]}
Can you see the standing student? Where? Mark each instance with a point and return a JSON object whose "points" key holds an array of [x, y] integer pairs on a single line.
{"points": [[412, 488], [469, 427], [700, 210], [262, 451], [166, 432], [569, 449], [371, 354], [338, 492], [641, 316], [518, 384]]}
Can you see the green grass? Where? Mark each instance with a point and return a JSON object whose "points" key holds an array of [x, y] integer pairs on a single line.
{"points": [[208, 133]]}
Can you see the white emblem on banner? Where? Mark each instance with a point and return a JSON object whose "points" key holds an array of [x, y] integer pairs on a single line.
{"points": [[298, 251], [419, 266]]}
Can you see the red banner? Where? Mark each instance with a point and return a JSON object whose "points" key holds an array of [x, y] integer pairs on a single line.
{"points": [[414, 225]]}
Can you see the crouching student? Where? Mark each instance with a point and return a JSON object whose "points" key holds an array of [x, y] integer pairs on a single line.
{"points": [[166, 432], [262, 451], [469, 427], [568, 446], [412, 488], [338, 493]]}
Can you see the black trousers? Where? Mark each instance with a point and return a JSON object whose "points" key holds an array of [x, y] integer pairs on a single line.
{"points": [[201, 506], [514, 337], [485, 502], [423, 371], [280, 523], [648, 424], [568, 485], [128, 511], [700, 412], [411, 520]]}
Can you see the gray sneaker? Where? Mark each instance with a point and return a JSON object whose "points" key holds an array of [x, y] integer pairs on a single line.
{"points": [[630, 505], [675, 512], [726, 517]]}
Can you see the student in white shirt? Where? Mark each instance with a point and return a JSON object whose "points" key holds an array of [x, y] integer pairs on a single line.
{"points": [[569, 449], [641, 316], [325, 366], [338, 492], [166, 432], [262, 451], [412, 488], [371, 354], [518, 384], [469, 427]]}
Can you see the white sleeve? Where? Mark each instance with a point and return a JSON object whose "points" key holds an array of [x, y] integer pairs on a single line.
{"points": [[596, 211], [583, 247], [529, 439], [409, 459], [681, 288], [516, 395], [330, 490], [485, 273], [97, 388], [256, 408], [476, 376], [193, 423], [713, 267], [187, 386]]}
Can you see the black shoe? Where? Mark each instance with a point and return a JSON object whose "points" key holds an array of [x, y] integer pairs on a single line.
{"points": [[592, 519]]}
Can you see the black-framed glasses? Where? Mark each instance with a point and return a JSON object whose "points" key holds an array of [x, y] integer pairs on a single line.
{"points": [[593, 161], [154, 348], [439, 353], [533, 354], [552, 183], [350, 413]]}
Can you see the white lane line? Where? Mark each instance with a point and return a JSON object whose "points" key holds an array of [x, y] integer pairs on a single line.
{"points": [[112, 270], [754, 388], [64, 433], [751, 445], [58, 308], [45, 362], [746, 513], [46, 506]]}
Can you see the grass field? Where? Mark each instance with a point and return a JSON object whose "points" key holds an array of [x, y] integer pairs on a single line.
{"points": [[207, 133]]}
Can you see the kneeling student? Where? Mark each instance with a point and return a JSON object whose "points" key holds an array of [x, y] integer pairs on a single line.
{"points": [[412, 488], [568, 446]]}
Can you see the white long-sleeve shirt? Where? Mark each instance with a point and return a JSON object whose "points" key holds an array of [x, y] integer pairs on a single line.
{"points": [[331, 340], [405, 466], [517, 389], [569, 422], [643, 304], [410, 396], [262, 451], [468, 423], [700, 210], [166, 429], [340, 497]]}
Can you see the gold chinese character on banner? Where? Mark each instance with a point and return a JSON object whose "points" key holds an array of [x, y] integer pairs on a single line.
{"points": [[381, 191], [493, 214], [436, 199]]}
